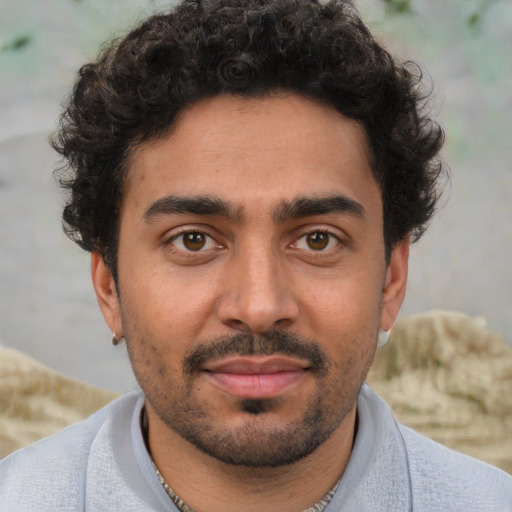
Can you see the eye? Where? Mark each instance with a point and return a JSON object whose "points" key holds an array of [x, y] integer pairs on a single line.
{"points": [[193, 241], [317, 241]]}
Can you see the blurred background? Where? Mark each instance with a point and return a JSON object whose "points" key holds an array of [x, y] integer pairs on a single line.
{"points": [[463, 263]]}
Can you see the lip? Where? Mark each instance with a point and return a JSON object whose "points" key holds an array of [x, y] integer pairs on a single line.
{"points": [[256, 377]]}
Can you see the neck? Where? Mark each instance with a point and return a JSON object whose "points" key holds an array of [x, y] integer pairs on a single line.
{"points": [[209, 485]]}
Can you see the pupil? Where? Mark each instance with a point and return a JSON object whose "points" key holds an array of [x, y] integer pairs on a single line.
{"points": [[318, 241], [194, 241]]}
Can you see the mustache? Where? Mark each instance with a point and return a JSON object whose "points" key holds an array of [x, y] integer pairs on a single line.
{"points": [[267, 343]]}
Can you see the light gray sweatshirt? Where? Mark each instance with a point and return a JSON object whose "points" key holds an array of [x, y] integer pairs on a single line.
{"points": [[101, 464]]}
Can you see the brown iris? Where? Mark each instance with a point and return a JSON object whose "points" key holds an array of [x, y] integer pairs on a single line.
{"points": [[317, 240], [194, 241]]}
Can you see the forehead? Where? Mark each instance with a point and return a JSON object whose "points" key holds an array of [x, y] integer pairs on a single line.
{"points": [[255, 151]]}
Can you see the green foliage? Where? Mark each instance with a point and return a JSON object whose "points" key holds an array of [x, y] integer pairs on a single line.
{"points": [[474, 21], [16, 44], [398, 6]]}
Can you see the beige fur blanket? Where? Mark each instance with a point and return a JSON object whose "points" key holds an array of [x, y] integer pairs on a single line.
{"points": [[443, 374], [36, 401]]}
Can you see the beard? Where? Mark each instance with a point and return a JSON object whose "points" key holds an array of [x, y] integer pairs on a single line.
{"points": [[259, 437]]}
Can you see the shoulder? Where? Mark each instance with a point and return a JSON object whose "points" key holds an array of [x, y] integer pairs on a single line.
{"points": [[438, 479], [50, 474], [443, 479]]}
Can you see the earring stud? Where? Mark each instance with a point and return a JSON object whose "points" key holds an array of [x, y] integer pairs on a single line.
{"points": [[115, 339], [383, 338]]}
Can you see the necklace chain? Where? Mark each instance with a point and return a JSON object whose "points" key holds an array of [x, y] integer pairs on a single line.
{"points": [[319, 506]]}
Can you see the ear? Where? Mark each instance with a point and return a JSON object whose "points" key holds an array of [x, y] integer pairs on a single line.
{"points": [[106, 293], [395, 284]]}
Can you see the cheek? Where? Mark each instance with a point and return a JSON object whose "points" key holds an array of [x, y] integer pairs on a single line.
{"points": [[345, 319], [166, 304], [345, 306]]}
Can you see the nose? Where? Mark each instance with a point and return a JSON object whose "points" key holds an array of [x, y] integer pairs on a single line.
{"points": [[257, 294]]}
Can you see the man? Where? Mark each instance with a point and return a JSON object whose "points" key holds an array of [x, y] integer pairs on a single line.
{"points": [[248, 176]]}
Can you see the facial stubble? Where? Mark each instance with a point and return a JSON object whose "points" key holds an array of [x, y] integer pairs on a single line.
{"points": [[260, 438]]}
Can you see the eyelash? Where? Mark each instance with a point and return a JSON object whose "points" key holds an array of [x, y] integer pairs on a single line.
{"points": [[210, 239], [184, 232], [331, 237]]}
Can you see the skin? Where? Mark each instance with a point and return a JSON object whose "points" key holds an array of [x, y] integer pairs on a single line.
{"points": [[260, 264]]}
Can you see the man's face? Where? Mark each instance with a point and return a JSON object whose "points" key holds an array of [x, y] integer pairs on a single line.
{"points": [[252, 276]]}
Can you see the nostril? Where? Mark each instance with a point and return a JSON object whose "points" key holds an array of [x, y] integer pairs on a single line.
{"points": [[239, 325], [283, 322]]}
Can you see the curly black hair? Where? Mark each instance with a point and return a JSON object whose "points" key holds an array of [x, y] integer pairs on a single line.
{"points": [[203, 48]]}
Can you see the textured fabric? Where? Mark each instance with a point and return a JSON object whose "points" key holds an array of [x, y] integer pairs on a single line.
{"points": [[448, 377], [36, 401], [102, 464]]}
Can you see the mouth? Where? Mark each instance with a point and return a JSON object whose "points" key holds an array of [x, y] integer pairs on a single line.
{"points": [[256, 377]]}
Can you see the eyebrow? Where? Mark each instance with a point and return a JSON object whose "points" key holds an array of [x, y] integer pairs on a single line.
{"points": [[286, 210], [195, 205], [310, 206]]}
